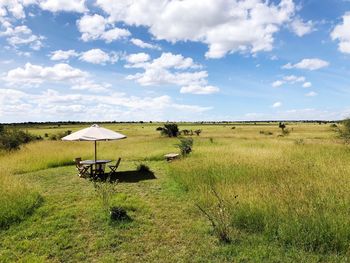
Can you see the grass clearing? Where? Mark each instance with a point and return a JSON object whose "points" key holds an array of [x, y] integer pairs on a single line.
{"points": [[293, 198]]}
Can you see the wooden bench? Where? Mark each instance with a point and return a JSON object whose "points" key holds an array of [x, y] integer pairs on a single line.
{"points": [[171, 156]]}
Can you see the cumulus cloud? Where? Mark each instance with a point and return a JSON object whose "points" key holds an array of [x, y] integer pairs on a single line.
{"points": [[94, 56], [22, 36], [35, 74], [342, 33], [308, 63], [97, 56], [170, 69], [226, 26], [63, 54], [142, 44], [291, 79], [311, 94], [301, 28], [63, 5], [95, 27], [277, 104], [307, 85], [53, 105], [199, 89]]}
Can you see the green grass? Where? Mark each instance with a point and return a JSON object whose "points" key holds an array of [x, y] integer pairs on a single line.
{"points": [[294, 203]]}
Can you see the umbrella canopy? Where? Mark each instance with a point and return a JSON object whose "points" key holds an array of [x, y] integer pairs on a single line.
{"points": [[94, 133]]}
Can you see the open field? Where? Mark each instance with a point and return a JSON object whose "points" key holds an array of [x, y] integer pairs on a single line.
{"points": [[293, 197]]}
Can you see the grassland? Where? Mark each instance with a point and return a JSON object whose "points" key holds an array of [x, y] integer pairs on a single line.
{"points": [[294, 203]]}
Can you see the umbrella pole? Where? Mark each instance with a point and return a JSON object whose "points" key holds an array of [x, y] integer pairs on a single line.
{"points": [[95, 152]]}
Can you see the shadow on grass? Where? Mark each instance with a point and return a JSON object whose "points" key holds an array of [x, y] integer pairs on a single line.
{"points": [[129, 176]]}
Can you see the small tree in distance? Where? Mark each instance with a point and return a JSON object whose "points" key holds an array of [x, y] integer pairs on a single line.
{"points": [[169, 129]]}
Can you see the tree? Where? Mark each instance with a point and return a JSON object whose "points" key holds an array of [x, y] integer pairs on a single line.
{"points": [[169, 129]]}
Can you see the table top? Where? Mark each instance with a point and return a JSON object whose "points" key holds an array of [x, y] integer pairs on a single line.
{"points": [[95, 162]]}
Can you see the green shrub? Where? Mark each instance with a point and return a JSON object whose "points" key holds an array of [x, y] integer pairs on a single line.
{"points": [[118, 213], [12, 139], [105, 191], [170, 130], [185, 146], [219, 211]]}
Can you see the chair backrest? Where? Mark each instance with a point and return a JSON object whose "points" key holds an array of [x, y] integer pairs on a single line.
{"points": [[118, 162], [77, 161]]}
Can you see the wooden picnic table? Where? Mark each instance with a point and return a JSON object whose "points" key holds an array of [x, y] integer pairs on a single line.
{"points": [[171, 156], [99, 166]]}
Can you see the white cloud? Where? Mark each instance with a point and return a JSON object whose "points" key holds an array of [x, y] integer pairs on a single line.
{"points": [[277, 104], [291, 79], [95, 27], [307, 85], [94, 56], [301, 114], [301, 28], [89, 85], [311, 94], [308, 63], [342, 33], [63, 54], [142, 44], [137, 58], [22, 36], [226, 26], [63, 5], [52, 105], [36, 74], [199, 89], [277, 83], [169, 69], [97, 56]]}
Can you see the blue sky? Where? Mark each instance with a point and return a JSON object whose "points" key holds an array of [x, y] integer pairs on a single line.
{"points": [[174, 60]]}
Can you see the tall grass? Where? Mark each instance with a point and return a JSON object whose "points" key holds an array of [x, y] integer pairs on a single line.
{"points": [[295, 194], [17, 200]]}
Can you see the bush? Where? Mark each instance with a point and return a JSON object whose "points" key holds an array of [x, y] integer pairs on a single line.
{"points": [[219, 213], [59, 136], [170, 130], [197, 132], [11, 139], [118, 214], [104, 191], [185, 146]]}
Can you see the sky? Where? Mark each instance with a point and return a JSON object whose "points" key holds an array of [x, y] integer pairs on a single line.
{"points": [[174, 60]]}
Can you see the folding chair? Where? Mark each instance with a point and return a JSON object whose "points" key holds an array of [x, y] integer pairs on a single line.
{"points": [[83, 170], [114, 167]]}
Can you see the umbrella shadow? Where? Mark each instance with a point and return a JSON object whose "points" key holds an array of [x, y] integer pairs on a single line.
{"points": [[130, 176]]}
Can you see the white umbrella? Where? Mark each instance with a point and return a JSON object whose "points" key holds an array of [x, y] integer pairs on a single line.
{"points": [[94, 133]]}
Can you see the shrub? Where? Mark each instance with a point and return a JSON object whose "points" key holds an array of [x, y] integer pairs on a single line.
{"points": [[104, 191], [11, 139], [299, 142], [233, 128], [59, 135], [170, 130], [219, 213], [185, 146], [197, 132], [118, 213], [211, 140]]}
